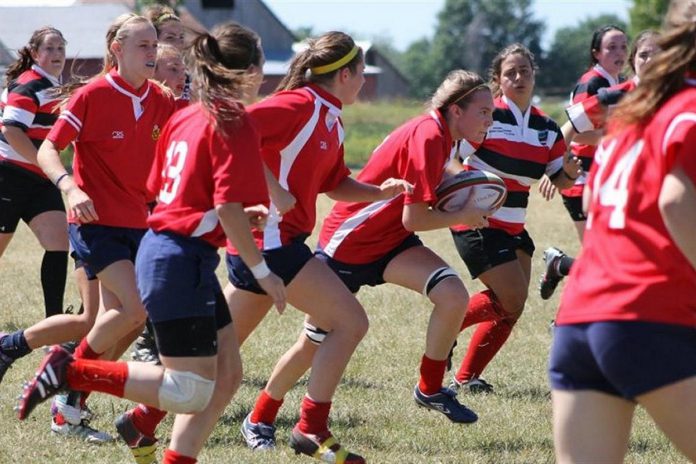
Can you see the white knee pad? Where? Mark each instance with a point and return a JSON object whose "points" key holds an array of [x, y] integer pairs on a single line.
{"points": [[315, 335], [184, 392], [437, 276]]}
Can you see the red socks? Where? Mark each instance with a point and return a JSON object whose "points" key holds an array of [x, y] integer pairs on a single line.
{"points": [[172, 457], [95, 375], [485, 343], [265, 409], [85, 351], [147, 418], [483, 306], [314, 417], [431, 374]]}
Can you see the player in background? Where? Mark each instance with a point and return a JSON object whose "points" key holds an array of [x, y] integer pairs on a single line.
{"points": [[170, 70], [371, 243], [589, 116], [206, 168], [625, 331], [608, 52], [522, 145]]}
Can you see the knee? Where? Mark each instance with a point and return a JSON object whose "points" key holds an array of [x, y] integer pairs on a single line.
{"points": [[513, 303], [226, 385], [184, 392]]}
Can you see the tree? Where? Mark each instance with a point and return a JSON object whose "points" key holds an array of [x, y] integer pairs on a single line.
{"points": [[569, 55], [468, 35], [647, 14], [417, 64]]}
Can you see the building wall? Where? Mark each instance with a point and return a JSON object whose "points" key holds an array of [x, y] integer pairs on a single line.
{"points": [[251, 13]]}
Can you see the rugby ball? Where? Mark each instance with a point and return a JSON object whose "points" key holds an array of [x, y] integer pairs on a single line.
{"points": [[484, 189]]}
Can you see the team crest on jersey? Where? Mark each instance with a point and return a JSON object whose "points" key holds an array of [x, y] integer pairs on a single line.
{"points": [[155, 132], [543, 136]]}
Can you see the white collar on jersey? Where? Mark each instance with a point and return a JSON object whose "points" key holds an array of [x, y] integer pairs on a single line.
{"points": [[522, 119], [55, 81], [435, 116], [598, 67], [136, 100], [333, 112]]}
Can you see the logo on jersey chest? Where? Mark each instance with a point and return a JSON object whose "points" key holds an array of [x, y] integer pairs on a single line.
{"points": [[543, 136], [118, 135], [323, 145], [155, 132]]}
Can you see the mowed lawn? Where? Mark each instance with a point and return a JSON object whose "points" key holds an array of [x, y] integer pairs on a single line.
{"points": [[374, 412]]}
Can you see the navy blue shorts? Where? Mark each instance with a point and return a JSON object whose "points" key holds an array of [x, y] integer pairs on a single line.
{"points": [[99, 246], [285, 262], [355, 276], [626, 358], [484, 249], [181, 293]]}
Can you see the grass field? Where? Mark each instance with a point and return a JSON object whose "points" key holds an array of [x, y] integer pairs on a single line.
{"points": [[373, 412]]}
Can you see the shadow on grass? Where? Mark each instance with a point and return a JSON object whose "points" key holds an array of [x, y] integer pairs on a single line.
{"points": [[530, 393], [350, 382]]}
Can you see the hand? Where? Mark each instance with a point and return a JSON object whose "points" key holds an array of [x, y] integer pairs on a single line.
{"points": [[393, 187], [474, 217], [81, 206], [274, 287], [572, 166], [283, 200], [546, 188], [257, 214]]}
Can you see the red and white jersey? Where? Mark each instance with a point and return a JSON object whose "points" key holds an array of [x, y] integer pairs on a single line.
{"points": [[588, 85], [301, 138], [418, 151], [114, 128], [591, 114], [198, 167], [630, 268], [28, 103], [519, 148]]}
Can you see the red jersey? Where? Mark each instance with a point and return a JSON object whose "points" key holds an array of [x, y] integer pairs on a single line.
{"points": [[114, 128], [301, 140], [629, 267], [418, 151], [591, 114], [28, 103], [198, 167], [588, 85], [519, 148]]}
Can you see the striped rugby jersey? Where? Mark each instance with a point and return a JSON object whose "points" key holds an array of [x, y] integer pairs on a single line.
{"points": [[28, 103], [520, 148]]}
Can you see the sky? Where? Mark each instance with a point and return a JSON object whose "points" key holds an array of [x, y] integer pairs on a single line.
{"points": [[405, 21]]}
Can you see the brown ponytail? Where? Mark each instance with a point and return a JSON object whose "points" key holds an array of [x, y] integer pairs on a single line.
{"points": [[219, 62], [321, 52], [25, 61]]}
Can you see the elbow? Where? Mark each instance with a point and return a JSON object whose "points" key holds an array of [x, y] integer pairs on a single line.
{"points": [[409, 224]]}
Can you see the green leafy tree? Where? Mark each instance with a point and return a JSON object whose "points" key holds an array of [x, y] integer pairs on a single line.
{"points": [[647, 14], [569, 55], [469, 34]]}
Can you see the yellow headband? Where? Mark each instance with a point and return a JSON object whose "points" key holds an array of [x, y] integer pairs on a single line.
{"points": [[327, 68]]}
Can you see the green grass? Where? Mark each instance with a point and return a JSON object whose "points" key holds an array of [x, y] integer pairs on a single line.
{"points": [[374, 412]]}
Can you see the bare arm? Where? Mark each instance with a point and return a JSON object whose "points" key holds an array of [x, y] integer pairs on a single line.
{"points": [[586, 138], [79, 203], [676, 202], [352, 190], [235, 223], [419, 217], [283, 200], [571, 170], [21, 142]]}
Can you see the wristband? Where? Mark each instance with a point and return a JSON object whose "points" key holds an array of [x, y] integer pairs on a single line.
{"points": [[65, 174], [261, 270]]}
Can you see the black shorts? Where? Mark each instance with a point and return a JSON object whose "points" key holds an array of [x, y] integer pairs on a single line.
{"points": [[574, 207], [621, 358], [355, 276], [24, 195], [484, 249], [285, 262]]}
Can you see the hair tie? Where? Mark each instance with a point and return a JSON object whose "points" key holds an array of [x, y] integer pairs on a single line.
{"points": [[338, 64]]}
